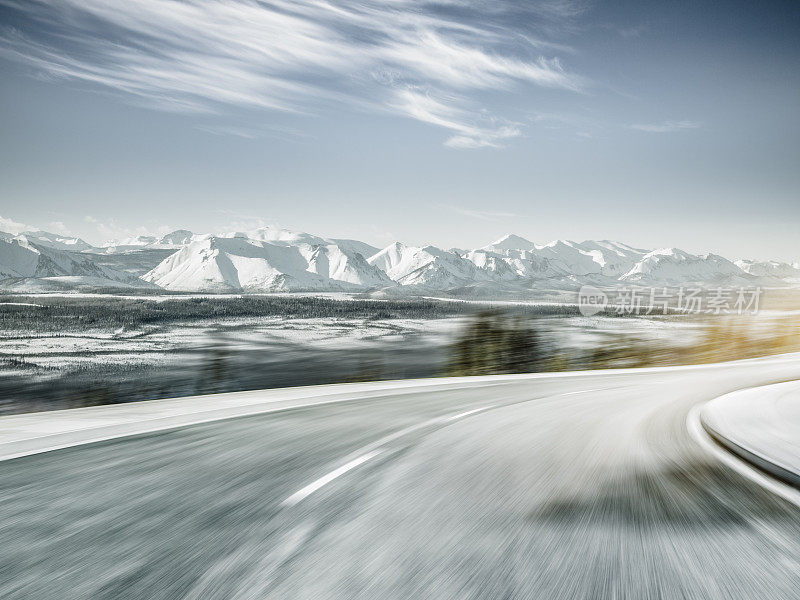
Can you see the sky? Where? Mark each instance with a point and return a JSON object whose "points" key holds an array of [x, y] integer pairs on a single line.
{"points": [[450, 122]]}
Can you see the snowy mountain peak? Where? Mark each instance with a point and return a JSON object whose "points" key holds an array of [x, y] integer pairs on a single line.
{"points": [[428, 267], [211, 263], [23, 259], [674, 266], [510, 242], [139, 240], [560, 244], [674, 253], [179, 237], [618, 248], [770, 268], [54, 240], [275, 259], [271, 233]]}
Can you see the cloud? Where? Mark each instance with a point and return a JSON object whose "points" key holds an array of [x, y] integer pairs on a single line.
{"points": [[241, 132], [470, 130], [215, 56], [8, 225], [240, 221], [666, 126], [253, 132], [14, 227], [58, 227], [109, 230]]}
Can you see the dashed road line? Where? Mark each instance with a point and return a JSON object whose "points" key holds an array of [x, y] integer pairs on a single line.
{"points": [[374, 450]]}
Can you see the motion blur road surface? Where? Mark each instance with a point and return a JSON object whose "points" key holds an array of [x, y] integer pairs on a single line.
{"points": [[554, 487]]}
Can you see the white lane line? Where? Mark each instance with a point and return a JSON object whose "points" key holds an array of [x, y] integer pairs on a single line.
{"points": [[326, 479], [586, 391], [469, 412], [362, 458], [406, 430]]}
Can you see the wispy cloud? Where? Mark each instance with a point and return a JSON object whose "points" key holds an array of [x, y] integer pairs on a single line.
{"points": [[468, 129], [666, 126], [255, 131], [58, 227], [211, 56], [109, 230]]}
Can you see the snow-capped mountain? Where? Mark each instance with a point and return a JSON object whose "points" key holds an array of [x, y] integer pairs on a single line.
{"points": [[54, 240], [238, 263], [21, 259], [510, 242], [501, 266], [671, 266], [275, 235], [613, 258], [286, 237], [176, 239], [364, 249], [269, 259], [133, 242], [428, 267], [771, 268], [560, 259], [339, 262], [275, 259]]}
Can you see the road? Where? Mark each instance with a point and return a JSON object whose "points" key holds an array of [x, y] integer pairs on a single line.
{"points": [[551, 487]]}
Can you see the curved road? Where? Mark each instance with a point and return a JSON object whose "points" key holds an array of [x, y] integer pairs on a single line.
{"points": [[549, 487]]}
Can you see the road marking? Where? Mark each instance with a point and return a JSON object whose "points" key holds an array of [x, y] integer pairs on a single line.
{"points": [[586, 391], [326, 479], [469, 412], [362, 458]]}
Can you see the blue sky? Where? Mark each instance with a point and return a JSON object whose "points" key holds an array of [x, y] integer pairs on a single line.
{"points": [[450, 122]]}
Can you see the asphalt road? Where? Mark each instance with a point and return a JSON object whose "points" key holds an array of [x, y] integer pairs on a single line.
{"points": [[582, 487]]}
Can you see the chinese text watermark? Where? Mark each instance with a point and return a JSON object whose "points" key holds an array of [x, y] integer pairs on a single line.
{"points": [[655, 300]]}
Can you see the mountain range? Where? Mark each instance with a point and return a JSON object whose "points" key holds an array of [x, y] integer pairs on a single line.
{"points": [[271, 259]]}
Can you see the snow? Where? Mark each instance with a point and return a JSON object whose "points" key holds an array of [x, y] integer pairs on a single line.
{"points": [[179, 237], [673, 266], [427, 267], [764, 421], [174, 239], [343, 263], [273, 259], [361, 248], [20, 258], [54, 240], [557, 260], [771, 268], [141, 240], [510, 242], [238, 263], [276, 235]]}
